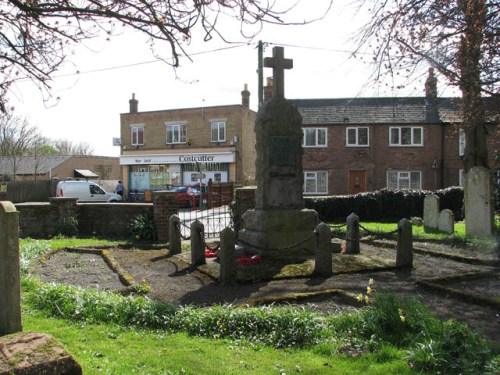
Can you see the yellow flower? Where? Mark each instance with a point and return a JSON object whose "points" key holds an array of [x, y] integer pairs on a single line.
{"points": [[369, 290], [359, 297], [403, 318], [367, 299], [371, 282]]}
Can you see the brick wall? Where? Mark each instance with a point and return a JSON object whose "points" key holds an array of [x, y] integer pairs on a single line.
{"points": [[41, 220]]}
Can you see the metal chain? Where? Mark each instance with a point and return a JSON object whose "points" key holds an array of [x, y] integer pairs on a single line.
{"points": [[177, 228], [280, 248], [207, 246], [378, 235]]}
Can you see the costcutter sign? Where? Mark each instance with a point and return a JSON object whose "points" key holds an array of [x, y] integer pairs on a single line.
{"points": [[218, 157]]}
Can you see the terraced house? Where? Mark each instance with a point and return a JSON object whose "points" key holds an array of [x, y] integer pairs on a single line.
{"points": [[365, 144]]}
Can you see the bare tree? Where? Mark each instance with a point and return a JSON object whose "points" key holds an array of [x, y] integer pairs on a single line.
{"points": [[36, 36], [17, 137], [459, 38], [66, 147]]}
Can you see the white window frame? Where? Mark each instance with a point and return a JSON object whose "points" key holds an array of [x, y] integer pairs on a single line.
{"points": [[404, 176], [219, 124], [461, 142], [461, 177], [313, 176], [399, 130], [316, 137], [135, 129], [356, 130], [180, 130]]}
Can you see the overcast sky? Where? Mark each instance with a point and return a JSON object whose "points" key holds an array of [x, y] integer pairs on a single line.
{"points": [[89, 104]]}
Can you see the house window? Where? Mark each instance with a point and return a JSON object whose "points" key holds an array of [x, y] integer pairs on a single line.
{"points": [[357, 137], [176, 133], [316, 182], [461, 143], [137, 135], [218, 131], [406, 136], [314, 137], [404, 180]]}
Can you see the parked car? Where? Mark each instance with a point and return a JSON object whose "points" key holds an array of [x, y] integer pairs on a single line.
{"points": [[185, 195], [85, 191]]}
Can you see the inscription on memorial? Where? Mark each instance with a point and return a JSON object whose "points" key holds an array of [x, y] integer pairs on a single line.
{"points": [[283, 152]]}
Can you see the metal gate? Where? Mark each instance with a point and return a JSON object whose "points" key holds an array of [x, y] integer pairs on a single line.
{"points": [[213, 219]]}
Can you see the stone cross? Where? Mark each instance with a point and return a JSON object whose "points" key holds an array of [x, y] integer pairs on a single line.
{"points": [[279, 64]]}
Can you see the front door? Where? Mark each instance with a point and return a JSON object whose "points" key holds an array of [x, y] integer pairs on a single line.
{"points": [[357, 182]]}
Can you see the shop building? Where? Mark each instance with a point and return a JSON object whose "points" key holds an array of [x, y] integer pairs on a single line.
{"points": [[165, 148]]}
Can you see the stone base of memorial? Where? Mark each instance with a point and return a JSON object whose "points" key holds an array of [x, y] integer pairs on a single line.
{"points": [[279, 233]]}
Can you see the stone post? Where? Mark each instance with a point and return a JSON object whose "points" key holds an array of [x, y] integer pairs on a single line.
{"points": [[10, 274], [164, 206], [174, 235], [352, 234], [404, 253], [227, 257], [431, 211], [323, 254], [197, 244]]}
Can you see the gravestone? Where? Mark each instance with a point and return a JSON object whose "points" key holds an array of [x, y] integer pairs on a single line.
{"points": [[279, 225], [404, 251], [431, 211], [446, 221], [478, 202], [10, 277]]}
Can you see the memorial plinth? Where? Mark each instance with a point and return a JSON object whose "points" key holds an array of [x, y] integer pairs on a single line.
{"points": [[279, 226]]}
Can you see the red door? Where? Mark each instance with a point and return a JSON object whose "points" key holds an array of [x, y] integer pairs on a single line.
{"points": [[357, 182]]}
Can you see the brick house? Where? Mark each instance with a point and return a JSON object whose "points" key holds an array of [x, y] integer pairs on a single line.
{"points": [[365, 144], [166, 148]]}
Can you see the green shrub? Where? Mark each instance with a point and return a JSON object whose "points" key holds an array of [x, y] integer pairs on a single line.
{"points": [[454, 349], [398, 321], [68, 226], [31, 249], [142, 228]]}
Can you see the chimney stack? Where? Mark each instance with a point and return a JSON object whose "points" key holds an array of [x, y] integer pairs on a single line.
{"points": [[431, 97], [268, 90], [134, 104], [245, 97]]}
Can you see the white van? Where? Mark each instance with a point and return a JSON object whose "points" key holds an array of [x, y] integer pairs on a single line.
{"points": [[85, 191]]}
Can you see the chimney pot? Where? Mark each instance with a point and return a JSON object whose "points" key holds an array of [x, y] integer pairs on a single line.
{"points": [[133, 104]]}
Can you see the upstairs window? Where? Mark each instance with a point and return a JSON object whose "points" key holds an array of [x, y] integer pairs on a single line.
{"points": [[176, 133], [406, 136], [137, 135], [314, 137], [218, 131], [397, 180], [357, 137]]}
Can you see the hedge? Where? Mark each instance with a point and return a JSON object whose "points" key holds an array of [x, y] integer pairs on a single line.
{"points": [[384, 205]]}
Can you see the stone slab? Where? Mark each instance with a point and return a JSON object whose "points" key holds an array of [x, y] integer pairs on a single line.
{"points": [[35, 353]]}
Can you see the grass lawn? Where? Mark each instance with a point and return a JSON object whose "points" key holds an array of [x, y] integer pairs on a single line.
{"points": [[108, 349]]}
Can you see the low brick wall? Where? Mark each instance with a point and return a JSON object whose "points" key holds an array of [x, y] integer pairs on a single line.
{"points": [[42, 220]]}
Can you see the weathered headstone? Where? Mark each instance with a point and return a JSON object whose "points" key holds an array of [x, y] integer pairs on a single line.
{"points": [[352, 234], [431, 211], [197, 244], [404, 252], [227, 257], [174, 235], [478, 202], [446, 221], [10, 274], [279, 225], [323, 254]]}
